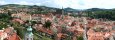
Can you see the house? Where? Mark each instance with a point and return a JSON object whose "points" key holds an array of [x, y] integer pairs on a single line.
{"points": [[8, 34], [2, 11], [22, 15], [18, 20]]}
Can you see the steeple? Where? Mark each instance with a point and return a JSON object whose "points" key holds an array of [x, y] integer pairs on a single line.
{"points": [[29, 34], [62, 13]]}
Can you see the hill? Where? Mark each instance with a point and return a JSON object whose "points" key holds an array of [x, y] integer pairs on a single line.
{"points": [[30, 8]]}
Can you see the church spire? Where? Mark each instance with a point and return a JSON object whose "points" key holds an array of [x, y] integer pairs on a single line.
{"points": [[62, 13], [29, 34]]}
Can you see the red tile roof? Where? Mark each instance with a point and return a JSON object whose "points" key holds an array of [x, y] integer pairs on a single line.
{"points": [[9, 35], [13, 37]]}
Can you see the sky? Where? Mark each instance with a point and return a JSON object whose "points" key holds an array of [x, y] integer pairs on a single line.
{"points": [[76, 4]]}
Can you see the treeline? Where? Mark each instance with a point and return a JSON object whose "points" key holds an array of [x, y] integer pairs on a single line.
{"points": [[101, 13]]}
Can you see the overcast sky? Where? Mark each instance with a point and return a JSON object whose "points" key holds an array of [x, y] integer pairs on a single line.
{"points": [[76, 4]]}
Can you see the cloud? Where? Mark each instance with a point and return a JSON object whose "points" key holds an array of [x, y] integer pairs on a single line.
{"points": [[99, 3], [66, 3], [23, 3], [76, 4], [2, 2], [30, 2]]}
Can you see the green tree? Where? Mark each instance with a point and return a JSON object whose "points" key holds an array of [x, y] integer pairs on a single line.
{"points": [[47, 24]]}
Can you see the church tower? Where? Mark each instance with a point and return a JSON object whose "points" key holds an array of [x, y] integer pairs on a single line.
{"points": [[29, 34]]}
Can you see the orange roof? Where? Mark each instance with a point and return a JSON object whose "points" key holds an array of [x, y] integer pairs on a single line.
{"points": [[1, 32], [13, 37], [59, 35]]}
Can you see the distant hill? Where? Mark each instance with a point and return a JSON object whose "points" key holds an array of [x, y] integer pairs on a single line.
{"points": [[48, 9], [71, 10], [38, 8], [97, 9]]}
